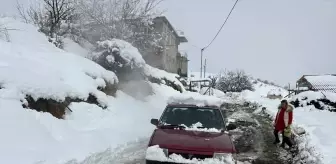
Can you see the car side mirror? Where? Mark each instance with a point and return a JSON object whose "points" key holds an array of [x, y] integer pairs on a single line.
{"points": [[231, 126], [155, 122]]}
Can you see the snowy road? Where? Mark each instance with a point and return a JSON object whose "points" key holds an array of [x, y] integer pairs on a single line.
{"points": [[253, 140], [130, 153]]}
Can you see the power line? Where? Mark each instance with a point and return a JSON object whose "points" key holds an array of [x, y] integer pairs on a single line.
{"points": [[221, 26]]}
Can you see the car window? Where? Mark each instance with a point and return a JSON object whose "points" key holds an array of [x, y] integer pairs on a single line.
{"points": [[208, 117]]}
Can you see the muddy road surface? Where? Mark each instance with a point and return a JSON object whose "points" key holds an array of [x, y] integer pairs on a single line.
{"points": [[254, 138]]}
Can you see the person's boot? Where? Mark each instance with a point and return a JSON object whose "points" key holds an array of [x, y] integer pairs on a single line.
{"points": [[282, 145], [276, 142]]}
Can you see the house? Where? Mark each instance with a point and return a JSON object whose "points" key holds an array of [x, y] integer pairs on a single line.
{"points": [[325, 83], [167, 57], [182, 64]]}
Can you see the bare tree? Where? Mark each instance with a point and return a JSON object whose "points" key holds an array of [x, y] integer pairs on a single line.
{"points": [[58, 10], [234, 81], [213, 81], [4, 32], [49, 17], [129, 20]]}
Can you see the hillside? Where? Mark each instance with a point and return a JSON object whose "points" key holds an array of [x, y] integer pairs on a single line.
{"points": [[33, 73]]}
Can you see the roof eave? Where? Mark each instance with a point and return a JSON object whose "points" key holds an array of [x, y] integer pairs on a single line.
{"points": [[183, 39]]}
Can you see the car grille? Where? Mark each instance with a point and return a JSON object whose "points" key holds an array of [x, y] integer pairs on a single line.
{"points": [[191, 156]]}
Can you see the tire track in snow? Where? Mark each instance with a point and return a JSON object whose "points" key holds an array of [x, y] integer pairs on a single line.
{"points": [[130, 153]]}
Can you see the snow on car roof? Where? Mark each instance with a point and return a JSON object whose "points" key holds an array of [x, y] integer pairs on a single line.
{"points": [[192, 105], [195, 99]]}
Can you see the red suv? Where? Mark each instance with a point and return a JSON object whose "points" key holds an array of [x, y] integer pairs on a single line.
{"points": [[190, 134]]}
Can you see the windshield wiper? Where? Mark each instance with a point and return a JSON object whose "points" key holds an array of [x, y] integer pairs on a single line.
{"points": [[173, 126], [200, 127]]}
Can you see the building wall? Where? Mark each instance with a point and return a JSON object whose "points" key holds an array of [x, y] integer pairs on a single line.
{"points": [[166, 59], [184, 67]]}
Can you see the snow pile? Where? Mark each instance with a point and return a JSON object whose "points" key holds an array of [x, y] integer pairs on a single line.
{"points": [[320, 141], [192, 98], [212, 92], [196, 127], [275, 92], [39, 69], [155, 153], [263, 89], [322, 101], [160, 74], [75, 48]]}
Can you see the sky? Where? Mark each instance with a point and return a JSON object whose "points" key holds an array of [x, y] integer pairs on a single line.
{"points": [[276, 40]]}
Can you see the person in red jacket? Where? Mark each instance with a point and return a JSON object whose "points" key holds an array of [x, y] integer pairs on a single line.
{"points": [[282, 122]]}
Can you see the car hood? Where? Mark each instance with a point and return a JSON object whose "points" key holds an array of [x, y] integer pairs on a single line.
{"points": [[192, 140]]}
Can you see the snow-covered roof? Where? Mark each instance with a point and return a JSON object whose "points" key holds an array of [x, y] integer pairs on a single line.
{"points": [[182, 38], [322, 82]]}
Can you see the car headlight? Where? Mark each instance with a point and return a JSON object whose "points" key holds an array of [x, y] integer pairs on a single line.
{"points": [[222, 156]]}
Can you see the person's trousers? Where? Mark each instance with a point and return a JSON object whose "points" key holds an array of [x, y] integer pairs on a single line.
{"points": [[285, 140]]}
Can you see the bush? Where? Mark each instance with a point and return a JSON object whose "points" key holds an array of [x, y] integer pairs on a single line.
{"points": [[234, 81]]}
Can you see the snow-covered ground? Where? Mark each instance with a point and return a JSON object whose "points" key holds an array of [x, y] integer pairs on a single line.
{"points": [[320, 141], [30, 65]]}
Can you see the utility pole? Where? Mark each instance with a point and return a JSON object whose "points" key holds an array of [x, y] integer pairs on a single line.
{"points": [[205, 64], [201, 62]]}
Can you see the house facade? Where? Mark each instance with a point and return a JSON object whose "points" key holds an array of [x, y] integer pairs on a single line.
{"points": [[167, 57]]}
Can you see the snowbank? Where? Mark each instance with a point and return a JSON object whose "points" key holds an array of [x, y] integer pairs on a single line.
{"points": [[36, 67], [311, 95], [321, 101], [75, 48], [160, 74], [39, 69], [155, 153], [212, 92], [321, 137], [263, 89], [275, 92]]}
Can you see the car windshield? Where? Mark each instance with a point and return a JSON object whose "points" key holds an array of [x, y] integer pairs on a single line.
{"points": [[190, 116]]}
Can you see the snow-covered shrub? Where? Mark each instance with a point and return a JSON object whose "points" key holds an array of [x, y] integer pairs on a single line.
{"points": [[322, 101], [234, 81], [126, 61], [121, 58]]}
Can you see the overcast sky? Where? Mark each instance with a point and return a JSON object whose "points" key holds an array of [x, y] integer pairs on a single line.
{"points": [[277, 40]]}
